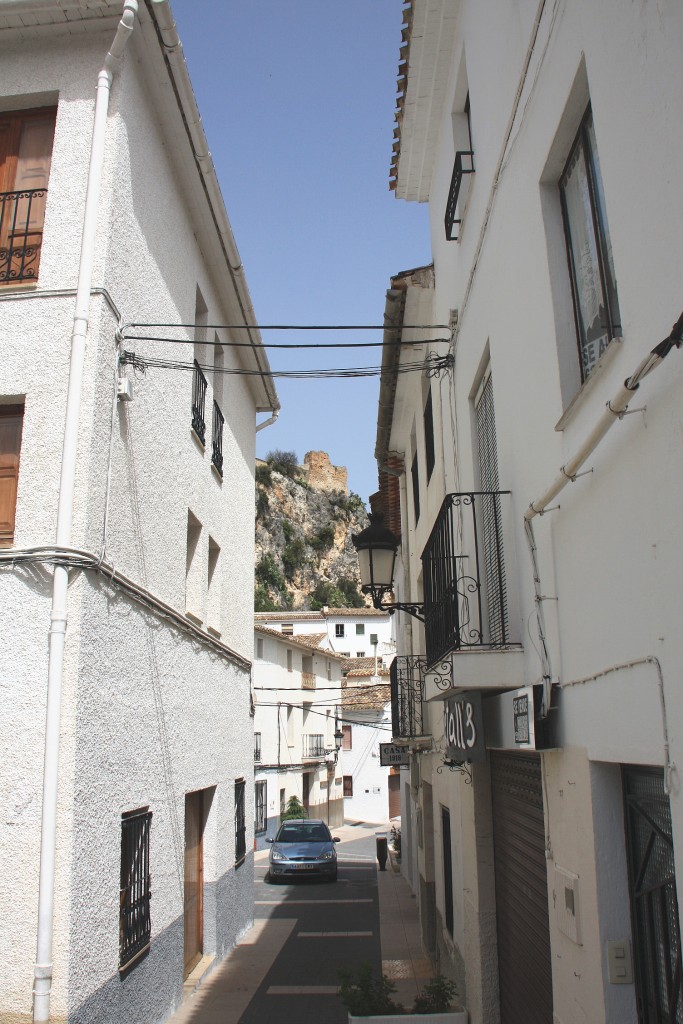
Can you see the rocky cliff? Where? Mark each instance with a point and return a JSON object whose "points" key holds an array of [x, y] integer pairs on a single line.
{"points": [[304, 520]]}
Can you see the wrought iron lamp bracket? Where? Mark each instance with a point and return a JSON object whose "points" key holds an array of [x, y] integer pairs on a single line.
{"points": [[463, 767], [416, 609]]}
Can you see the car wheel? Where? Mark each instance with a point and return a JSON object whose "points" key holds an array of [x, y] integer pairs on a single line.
{"points": [[333, 878]]}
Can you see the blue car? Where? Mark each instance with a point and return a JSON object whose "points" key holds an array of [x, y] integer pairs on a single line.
{"points": [[303, 847]]}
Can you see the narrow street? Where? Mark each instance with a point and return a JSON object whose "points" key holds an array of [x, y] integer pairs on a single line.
{"points": [[287, 966]]}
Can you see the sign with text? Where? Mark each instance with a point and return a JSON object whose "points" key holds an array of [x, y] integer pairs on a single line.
{"points": [[390, 754], [463, 724]]}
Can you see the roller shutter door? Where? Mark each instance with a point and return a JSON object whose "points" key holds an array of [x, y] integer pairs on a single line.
{"points": [[524, 969]]}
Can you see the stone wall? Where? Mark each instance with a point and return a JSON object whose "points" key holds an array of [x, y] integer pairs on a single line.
{"points": [[320, 474]]}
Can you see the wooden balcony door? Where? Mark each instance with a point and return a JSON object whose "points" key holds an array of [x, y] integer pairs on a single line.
{"points": [[194, 879]]}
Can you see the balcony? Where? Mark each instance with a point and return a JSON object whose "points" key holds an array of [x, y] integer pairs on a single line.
{"points": [[407, 685], [307, 681], [21, 234], [217, 438], [314, 745], [199, 403], [464, 164], [464, 577], [257, 746]]}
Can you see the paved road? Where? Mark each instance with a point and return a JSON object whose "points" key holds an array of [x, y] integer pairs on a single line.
{"points": [[332, 925]]}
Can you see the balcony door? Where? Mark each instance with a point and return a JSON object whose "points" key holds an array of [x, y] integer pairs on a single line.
{"points": [[493, 581], [25, 157]]}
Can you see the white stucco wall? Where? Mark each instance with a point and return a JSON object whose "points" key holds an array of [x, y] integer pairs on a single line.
{"points": [[370, 800]]}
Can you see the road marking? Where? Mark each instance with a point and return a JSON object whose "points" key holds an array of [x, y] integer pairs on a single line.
{"points": [[303, 990], [293, 903], [332, 935]]}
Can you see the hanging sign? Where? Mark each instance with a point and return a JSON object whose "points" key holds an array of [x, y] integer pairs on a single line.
{"points": [[390, 754], [463, 725]]}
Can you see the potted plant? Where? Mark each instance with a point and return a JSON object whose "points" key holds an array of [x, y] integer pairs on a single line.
{"points": [[369, 1000]]}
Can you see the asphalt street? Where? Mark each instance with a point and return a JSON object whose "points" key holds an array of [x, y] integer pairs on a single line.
{"points": [[333, 925]]}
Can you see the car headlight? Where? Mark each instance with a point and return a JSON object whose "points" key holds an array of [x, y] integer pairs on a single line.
{"points": [[276, 855], [328, 855]]}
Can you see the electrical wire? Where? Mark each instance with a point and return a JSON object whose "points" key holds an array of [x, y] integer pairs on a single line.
{"points": [[434, 365], [397, 342]]}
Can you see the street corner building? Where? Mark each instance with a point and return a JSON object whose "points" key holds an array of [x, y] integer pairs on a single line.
{"points": [[533, 486], [126, 523]]}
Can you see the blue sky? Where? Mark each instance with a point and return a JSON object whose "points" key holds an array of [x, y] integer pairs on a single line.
{"points": [[297, 101]]}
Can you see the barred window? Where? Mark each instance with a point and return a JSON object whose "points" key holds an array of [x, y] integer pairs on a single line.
{"points": [[240, 822], [135, 927], [260, 806]]}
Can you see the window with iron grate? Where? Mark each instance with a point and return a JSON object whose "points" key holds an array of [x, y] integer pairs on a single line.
{"points": [[135, 927]]}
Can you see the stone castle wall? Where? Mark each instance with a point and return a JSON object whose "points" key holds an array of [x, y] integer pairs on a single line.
{"points": [[320, 474]]}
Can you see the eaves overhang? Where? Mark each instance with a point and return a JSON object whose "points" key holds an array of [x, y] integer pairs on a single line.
{"points": [[427, 42]]}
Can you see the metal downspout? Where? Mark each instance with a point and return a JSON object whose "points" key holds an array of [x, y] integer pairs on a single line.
{"points": [[58, 617]]}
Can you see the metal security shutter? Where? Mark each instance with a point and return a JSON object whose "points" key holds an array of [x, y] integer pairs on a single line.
{"points": [[526, 994]]}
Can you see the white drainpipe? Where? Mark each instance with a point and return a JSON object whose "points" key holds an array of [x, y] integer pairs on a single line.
{"points": [[269, 422], [58, 618]]}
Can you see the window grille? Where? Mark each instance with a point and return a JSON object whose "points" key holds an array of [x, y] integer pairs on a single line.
{"points": [[199, 403], [260, 806], [217, 438], [407, 684], [314, 745], [257, 746], [240, 822], [134, 914]]}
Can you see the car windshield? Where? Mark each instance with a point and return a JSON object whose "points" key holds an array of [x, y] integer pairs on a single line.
{"points": [[301, 832]]}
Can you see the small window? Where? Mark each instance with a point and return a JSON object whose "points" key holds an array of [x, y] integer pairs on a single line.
{"points": [[257, 746], [260, 820], [339, 629], [240, 822], [11, 425], [348, 785], [589, 249], [135, 926], [429, 435], [347, 743], [194, 577], [360, 654], [26, 139], [213, 589], [288, 628], [360, 629]]}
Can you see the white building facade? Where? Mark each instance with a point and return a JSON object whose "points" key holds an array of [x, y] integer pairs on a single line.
{"points": [[111, 215], [349, 632], [297, 702], [542, 815], [371, 790]]}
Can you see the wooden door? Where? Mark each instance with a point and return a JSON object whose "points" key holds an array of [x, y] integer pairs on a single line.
{"points": [[194, 879], [11, 421], [394, 795]]}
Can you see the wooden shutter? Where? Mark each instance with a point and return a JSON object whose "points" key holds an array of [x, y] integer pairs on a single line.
{"points": [[11, 422]]}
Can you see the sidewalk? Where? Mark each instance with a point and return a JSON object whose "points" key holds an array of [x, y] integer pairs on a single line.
{"points": [[225, 995]]}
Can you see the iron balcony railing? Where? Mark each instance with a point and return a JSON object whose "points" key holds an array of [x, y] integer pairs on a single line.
{"points": [[314, 745], [464, 579], [21, 234], [407, 688], [257, 746], [464, 164], [199, 403], [217, 438]]}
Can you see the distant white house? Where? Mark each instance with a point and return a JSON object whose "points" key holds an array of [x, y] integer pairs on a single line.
{"points": [[126, 524], [371, 791], [297, 701], [351, 632]]}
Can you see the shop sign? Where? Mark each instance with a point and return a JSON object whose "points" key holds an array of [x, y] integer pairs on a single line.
{"points": [[464, 728], [390, 754]]}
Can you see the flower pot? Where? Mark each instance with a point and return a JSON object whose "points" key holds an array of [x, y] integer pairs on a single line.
{"points": [[450, 1017]]}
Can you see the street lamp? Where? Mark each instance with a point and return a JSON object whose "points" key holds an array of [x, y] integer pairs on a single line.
{"points": [[377, 546]]}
